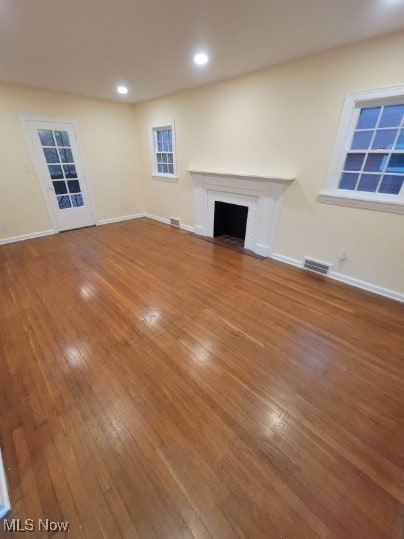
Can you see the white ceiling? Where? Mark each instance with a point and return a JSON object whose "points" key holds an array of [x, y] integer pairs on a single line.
{"points": [[88, 47]]}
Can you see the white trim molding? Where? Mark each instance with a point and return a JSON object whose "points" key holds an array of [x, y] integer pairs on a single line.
{"points": [[242, 176], [346, 279], [378, 205], [287, 260], [262, 195], [4, 498], [163, 220], [33, 235], [30, 236], [166, 221], [120, 218]]}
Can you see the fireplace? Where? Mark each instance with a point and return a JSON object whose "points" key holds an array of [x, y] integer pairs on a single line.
{"points": [[259, 196], [230, 220]]}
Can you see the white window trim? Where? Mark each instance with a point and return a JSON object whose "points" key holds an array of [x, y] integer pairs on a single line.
{"points": [[155, 174], [330, 193]]}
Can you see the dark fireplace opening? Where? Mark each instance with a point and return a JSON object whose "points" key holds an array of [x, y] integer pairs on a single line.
{"points": [[230, 220]]}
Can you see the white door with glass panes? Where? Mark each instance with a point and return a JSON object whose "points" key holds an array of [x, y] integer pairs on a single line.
{"points": [[55, 151]]}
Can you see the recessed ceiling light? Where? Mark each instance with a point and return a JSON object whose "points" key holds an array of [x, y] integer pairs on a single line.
{"points": [[201, 59], [122, 90]]}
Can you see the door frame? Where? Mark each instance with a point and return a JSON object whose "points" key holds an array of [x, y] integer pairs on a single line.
{"points": [[24, 118]]}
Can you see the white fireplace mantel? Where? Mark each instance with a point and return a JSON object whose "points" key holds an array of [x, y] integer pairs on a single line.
{"points": [[262, 195], [243, 176]]}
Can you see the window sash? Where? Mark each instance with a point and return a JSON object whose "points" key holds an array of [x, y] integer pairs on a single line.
{"points": [[163, 150], [354, 103]]}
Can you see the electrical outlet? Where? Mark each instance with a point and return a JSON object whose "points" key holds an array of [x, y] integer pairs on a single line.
{"points": [[3, 227], [343, 258]]}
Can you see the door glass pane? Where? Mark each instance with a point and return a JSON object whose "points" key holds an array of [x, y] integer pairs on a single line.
{"points": [[391, 184], [392, 116], [64, 202], [70, 171], [74, 186], [77, 200], [66, 155], [369, 182], [46, 137], [61, 167], [55, 172], [368, 118], [62, 138], [60, 188], [51, 155]]}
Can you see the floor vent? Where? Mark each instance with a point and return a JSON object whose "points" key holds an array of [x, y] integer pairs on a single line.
{"points": [[316, 266], [174, 222]]}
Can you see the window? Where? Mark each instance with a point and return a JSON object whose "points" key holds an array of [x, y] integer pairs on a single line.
{"points": [[367, 165], [162, 140]]}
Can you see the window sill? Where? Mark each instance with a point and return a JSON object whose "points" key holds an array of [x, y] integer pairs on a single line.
{"points": [[171, 178], [356, 202]]}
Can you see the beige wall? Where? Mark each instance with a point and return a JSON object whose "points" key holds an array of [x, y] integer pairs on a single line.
{"points": [[280, 121], [283, 121], [109, 144]]}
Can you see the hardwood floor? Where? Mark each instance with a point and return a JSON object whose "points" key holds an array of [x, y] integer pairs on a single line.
{"points": [[156, 385]]}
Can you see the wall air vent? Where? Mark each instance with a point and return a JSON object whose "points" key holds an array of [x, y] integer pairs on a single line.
{"points": [[174, 222], [316, 266]]}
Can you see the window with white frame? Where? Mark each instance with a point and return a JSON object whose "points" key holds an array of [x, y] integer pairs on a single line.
{"points": [[367, 165], [162, 141]]}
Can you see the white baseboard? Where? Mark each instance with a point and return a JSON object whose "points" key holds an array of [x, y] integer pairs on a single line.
{"points": [[199, 230], [358, 283], [287, 260], [24, 237], [120, 218], [188, 228], [157, 218], [370, 287], [262, 250], [166, 221], [4, 498], [33, 235]]}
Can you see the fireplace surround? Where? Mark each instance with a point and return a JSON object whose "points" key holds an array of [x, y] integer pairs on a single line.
{"points": [[262, 195]]}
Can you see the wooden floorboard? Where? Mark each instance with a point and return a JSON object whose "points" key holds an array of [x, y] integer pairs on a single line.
{"points": [[156, 385]]}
